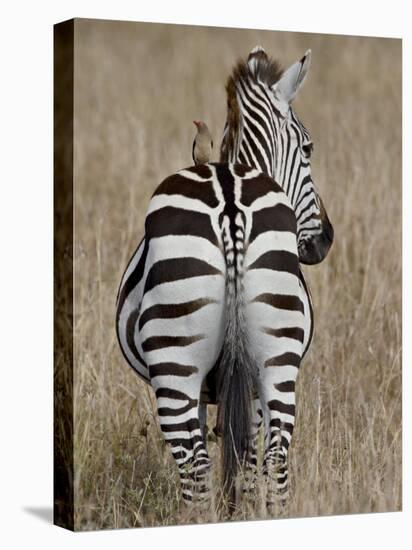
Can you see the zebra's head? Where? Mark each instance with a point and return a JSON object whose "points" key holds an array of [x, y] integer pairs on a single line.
{"points": [[262, 130]]}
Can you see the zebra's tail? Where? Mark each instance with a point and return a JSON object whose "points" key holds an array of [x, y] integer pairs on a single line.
{"points": [[237, 378]]}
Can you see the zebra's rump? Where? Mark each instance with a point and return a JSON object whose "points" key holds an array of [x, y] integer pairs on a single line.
{"points": [[204, 224]]}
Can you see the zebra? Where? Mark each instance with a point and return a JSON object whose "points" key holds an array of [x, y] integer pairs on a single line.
{"points": [[181, 305], [213, 308], [263, 131]]}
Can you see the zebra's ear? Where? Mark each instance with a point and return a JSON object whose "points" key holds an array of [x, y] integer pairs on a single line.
{"points": [[292, 79]]}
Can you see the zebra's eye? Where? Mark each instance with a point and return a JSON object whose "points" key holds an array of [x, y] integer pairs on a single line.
{"points": [[307, 149]]}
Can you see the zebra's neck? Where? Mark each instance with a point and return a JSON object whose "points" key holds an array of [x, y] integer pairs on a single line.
{"points": [[243, 144]]}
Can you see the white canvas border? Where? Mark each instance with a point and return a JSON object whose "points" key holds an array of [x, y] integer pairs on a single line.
{"points": [[26, 275]]}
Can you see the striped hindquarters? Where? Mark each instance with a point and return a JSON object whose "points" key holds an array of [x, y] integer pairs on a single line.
{"points": [[188, 217], [219, 247]]}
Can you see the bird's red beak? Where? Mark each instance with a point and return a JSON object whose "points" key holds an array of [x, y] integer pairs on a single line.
{"points": [[197, 123]]}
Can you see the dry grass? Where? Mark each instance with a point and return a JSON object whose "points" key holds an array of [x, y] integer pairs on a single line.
{"points": [[137, 89]]}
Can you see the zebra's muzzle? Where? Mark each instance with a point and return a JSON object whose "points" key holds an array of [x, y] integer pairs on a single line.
{"points": [[315, 250]]}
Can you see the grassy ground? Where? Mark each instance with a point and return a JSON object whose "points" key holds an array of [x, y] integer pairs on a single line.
{"points": [[137, 89]]}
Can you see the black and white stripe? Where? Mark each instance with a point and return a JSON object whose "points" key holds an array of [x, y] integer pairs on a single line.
{"points": [[211, 309], [263, 131]]}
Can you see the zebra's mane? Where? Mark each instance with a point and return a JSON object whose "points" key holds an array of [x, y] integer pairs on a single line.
{"points": [[258, 67]]}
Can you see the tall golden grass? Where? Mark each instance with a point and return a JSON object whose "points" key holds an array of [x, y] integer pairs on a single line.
{"points": [[137, 89]]}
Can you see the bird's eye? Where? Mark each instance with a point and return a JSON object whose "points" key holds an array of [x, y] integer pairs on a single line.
{"points": [[307, 149]]}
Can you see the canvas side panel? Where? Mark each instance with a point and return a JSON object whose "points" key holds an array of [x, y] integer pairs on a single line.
{"points": [[63, 274]]}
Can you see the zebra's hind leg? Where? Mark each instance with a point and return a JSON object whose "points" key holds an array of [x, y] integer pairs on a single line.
{"points": [[279, 414], [275, 464], [275, 470], [178, 410], [251, 467]]}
